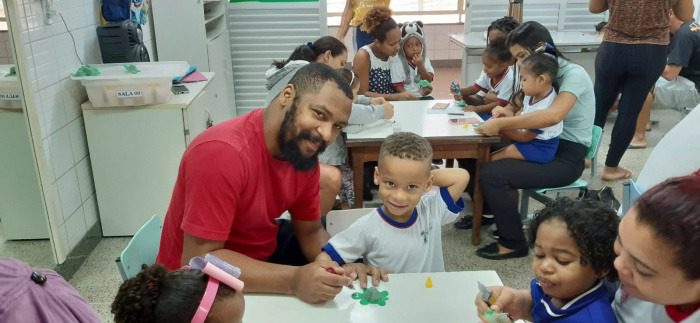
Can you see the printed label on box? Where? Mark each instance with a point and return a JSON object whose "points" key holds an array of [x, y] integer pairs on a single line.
{"points": [[9, 96], [129, 93]]}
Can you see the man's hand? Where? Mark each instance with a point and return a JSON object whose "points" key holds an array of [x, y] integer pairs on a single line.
{"points": [[360, 271], [319, 281]]}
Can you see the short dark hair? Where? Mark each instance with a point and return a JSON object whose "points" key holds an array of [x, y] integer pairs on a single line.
{"points": [[672, 211], [309, 52], [156, 295], [312, 77], [349, 76], [531, 35], [591, 224], [540, 64], [505, 25], [406, 145], [378, 23], [498, 50]]}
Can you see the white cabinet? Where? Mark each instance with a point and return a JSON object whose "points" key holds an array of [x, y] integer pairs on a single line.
{"points": [[135, 154], [195, 31]]}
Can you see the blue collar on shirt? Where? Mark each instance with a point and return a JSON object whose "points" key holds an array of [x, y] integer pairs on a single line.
{"points": [[401, 225]]}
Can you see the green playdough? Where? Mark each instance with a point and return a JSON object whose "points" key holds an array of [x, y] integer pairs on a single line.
{"points": [[460, 103], [12, 72], [131, 69], [492, 316], [87, 70], [372, 296], [425, 84]]}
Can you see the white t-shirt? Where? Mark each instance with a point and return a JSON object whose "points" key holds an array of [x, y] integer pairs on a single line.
{"points": [[632, 310], [410, 247], [410, 82], [528, 107], [503, 87]]}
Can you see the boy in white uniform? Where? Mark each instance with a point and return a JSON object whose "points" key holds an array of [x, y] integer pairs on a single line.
{"points": [[405, 234]]}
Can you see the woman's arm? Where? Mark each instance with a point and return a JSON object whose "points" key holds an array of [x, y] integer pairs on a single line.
{"points": [[345, 19], [556, 112], [684, 9], [482, 108], [597, 6], [360, 65]]}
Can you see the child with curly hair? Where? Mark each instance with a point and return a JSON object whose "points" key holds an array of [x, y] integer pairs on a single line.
{"points": [[573, 245], [190, 294]]}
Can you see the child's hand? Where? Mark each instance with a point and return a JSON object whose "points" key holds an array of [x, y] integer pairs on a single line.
{"points": [[516, 303], [426, 90], [377, 100], [360, 272], [500, 112], [417, 60], [456, 91], [388, 110]]}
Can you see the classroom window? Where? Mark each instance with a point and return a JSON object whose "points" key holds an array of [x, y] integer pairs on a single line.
{"points": [[427, 11], [3, 18]]}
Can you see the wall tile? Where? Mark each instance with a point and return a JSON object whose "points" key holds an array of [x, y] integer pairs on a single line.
{"points": [[75, 228], [91, 212], [69, 193], [85, 183], [77, 139], [60, 152]]}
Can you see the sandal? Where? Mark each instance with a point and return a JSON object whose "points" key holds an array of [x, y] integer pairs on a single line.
{"points": [[625, 175]]}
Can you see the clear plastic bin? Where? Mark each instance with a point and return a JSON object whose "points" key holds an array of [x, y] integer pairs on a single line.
{"points": [[114, 87]]}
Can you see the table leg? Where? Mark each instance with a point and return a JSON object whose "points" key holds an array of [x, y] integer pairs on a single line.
{"points": [[478, 202], [465, 62], [358, 168]]}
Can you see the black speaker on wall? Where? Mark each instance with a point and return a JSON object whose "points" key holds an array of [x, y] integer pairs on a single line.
{"points": [[122, 42]]}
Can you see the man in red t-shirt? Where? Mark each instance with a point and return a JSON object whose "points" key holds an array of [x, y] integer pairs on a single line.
{"points": [[236, 178]]}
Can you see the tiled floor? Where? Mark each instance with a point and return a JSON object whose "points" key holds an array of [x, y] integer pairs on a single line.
{"points": [[98, 279]]}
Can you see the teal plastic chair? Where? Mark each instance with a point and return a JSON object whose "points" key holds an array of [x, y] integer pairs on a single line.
{"points": [[580, 184], [142, 248]]}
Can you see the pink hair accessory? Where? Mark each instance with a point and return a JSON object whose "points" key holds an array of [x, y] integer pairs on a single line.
{"points": [[218, 271]]}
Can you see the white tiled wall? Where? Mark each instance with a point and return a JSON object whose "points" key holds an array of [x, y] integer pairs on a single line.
{"points": [[439, 45], [51, 56]]}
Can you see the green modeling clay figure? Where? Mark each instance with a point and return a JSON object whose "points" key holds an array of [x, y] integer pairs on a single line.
{"points": [[87, 70], [460, 103], [12, 72], [372, 296], [131, 69], [425, 84]]}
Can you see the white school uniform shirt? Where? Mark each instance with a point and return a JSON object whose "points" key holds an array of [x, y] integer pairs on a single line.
{"points": [[503, 87], [410, 82], [632, 310], [411, 247], [529, 106]]}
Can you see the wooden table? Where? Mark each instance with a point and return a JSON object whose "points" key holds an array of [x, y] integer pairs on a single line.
{"points": [[448, 141], [451, 299]]}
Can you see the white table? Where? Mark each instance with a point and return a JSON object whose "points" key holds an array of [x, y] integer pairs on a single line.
{"points": [[451, 299], [448, 141], [580, 47]]}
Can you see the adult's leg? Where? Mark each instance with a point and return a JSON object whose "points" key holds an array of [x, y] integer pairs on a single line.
{"points": [[331, 179], [288, 250], [608, 72], [501, 179], [643, 66], [640, 132]]}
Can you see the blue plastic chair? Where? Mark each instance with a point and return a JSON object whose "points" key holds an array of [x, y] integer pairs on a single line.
{"points": [[142, 248], [580, 184]]}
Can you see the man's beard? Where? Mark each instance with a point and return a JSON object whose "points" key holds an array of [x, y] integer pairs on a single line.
{"points": [[290, 147]]}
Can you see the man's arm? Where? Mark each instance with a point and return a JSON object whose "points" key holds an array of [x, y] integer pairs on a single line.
{"points": [[311, 283], [597, 6], [556, 112], [671, 72], [312, 237]]}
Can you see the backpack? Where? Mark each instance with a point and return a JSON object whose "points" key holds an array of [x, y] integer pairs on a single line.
{"points": [[115, 10], [604, 195]]}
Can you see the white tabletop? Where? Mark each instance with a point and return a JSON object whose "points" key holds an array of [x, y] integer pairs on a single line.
{"points": [[562, 39], [419, 117], [451, 299]]}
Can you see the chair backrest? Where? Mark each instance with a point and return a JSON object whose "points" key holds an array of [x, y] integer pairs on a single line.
{"points": [[630, 193], [142, 248], [593, 149], [339, 220]]}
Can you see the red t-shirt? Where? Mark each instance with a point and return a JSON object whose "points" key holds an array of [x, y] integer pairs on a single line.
{"points": [[230, 188]]}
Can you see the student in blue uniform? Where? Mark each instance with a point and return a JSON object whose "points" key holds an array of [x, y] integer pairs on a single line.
{"points": [[573, 246]]}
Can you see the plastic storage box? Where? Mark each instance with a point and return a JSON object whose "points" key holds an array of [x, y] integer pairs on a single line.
{"points": [[10, 90], [115, 87]]}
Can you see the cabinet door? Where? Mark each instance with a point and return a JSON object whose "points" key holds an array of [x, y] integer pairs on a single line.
{"points": [[198, 116], [222, 84]]}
